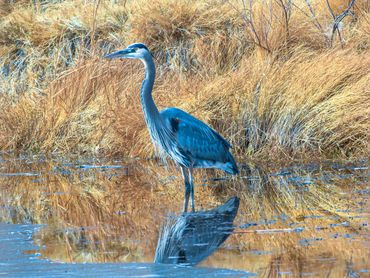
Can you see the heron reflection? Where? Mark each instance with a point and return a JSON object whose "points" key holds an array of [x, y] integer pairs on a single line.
{"points": [[192, 237]]}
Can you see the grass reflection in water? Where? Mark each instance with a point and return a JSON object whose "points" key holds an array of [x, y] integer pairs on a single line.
{"points": [[302, 218]]}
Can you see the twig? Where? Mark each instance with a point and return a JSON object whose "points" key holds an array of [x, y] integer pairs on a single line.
{"points": [[330, 9], [337, 20], [313, 14], [286, 13], [249, 24], [92, 38]]}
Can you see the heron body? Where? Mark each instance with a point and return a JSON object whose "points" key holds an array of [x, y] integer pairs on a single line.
{"points": [[187, 140]]}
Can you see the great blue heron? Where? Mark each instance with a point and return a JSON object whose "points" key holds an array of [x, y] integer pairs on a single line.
{"points": [[187, 140]]}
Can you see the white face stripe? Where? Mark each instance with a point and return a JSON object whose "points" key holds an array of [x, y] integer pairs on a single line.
{"points": [[141, 51]]}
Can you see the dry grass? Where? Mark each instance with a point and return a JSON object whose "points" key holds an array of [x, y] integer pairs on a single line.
{"points": [[275, 87]]}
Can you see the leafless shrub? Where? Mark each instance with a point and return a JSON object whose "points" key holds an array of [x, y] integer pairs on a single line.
{"points": [[337, 19]]}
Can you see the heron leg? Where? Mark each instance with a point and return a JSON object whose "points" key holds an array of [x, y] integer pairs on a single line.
{"points": [[191, 188], [187, 188]]}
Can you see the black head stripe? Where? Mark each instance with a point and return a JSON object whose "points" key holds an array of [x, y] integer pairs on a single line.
{"points": [[139, 45]]}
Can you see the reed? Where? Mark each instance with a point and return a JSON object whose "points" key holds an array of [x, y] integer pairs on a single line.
{"points": [[270, 78]]}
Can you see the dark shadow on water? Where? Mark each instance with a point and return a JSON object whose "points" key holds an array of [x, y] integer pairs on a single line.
{"points": [[192, 237]]}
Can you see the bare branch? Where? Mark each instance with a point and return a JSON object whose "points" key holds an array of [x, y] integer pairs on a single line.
{"points": [[340, 38], [338, 19], [313, 14], [253, 28], [286, 13], [248, 20], [330, 9]]}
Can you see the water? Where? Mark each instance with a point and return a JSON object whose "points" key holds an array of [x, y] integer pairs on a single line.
{"points": [[99, 216], [20, 258]]}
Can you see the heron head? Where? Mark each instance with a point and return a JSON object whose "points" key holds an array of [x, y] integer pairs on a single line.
{"points": [[133, 51]]}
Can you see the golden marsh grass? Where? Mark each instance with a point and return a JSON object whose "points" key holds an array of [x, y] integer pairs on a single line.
{"points": [[277, 89], [272, 80]]}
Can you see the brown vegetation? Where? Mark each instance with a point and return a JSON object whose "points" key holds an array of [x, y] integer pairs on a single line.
{"points": [[270, 77], [273, 78]]}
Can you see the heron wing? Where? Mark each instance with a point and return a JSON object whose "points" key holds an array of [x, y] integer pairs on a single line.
{"points": [[195, 137]]}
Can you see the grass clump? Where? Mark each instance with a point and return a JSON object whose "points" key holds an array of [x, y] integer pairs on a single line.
{"points": [[272, 78]]}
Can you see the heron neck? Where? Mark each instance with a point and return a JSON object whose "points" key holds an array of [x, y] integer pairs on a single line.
{"points": [[150, 110], [161, 135]]}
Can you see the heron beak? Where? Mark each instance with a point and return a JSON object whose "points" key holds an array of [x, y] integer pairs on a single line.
{"points": [[119, 54]]}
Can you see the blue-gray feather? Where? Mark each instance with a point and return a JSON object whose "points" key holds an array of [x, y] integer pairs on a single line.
{"points": [[203, 145]]}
